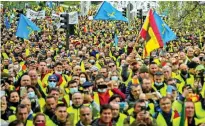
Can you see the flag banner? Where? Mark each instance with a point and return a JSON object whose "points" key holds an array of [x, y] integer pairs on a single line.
{"points": [[7, 23], [84, 7], [155, 32], [31, 14], [90, 17], [73, 17], [116, 40], [49, 4], [108, 12], [25, 27]]}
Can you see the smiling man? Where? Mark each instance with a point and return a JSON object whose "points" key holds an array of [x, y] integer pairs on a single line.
{"points": [[166, 116]]}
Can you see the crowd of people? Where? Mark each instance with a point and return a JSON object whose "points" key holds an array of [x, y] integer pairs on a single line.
{"points": [[98, 82]]}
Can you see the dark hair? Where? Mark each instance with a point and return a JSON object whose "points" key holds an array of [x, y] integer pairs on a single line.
{"points": [[99, 76], [163, 98], [15, 123], [60, 105], [86, 76], [21, 106], [9, 95], [71, 82], [58, 63], [114, 97], [35, 90], [49, 96], [38, 114], [105, 107], [53, 89]]}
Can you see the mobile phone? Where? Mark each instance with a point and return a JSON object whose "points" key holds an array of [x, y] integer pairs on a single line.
{"points": [[2, 93], [23, 91]]}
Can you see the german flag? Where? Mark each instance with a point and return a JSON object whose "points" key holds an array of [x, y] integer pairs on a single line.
{"points": [[155, 32]]}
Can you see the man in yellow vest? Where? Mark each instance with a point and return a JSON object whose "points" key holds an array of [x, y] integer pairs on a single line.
{"points": [[77, 103], [61, 115], [22, 115], [120, 119], [184, 78], [85, 116], [103, 93], [166, 116], [159, 85]]}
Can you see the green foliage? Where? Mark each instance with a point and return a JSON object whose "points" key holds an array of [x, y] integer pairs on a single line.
{"points": [[183, 14]]}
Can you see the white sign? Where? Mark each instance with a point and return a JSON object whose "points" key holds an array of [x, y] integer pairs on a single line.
{"points": [[35, 15], [1, 6], [84, 7], [73, 17], [90, 17]]}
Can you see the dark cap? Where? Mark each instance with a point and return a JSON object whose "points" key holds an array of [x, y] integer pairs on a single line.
{"points": [[87, 84], [158, 73], [143, 69], [52, 77]]}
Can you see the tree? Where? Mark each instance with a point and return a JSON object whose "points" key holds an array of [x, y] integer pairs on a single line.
{"points": [[183, 13]]}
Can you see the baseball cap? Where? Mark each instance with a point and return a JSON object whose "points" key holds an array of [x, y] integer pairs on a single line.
{"points": [[87, 84], [52, 77]]}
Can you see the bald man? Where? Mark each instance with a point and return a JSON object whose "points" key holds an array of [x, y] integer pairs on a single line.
{"points": [[25, 80], [119, 118]]}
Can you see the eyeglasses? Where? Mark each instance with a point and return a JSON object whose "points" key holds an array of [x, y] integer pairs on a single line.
{"points": [[52, 81]]}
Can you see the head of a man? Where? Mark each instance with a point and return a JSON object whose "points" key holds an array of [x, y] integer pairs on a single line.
{"points": [[153, 68], [106, 114], [42, 67], [27, 103], [115, 109], [100, 83], [158, 78], [61, 112], [58, 68], [34, 76], [136, 90], [51, 103], [165, 104], [139, 105], [85, 115], [77, 99], [73, 86], [146, 85], [25, 80], [22, 113], [55, 93], [189, 108]]}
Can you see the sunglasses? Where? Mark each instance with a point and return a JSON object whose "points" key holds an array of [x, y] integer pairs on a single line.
{"points": [[52, 81]]}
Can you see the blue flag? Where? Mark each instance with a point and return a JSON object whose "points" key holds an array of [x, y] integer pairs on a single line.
{"points": [[166, 33], [25, 27], [7, 23], [108, 12], [116, 40], [49, 4]]}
